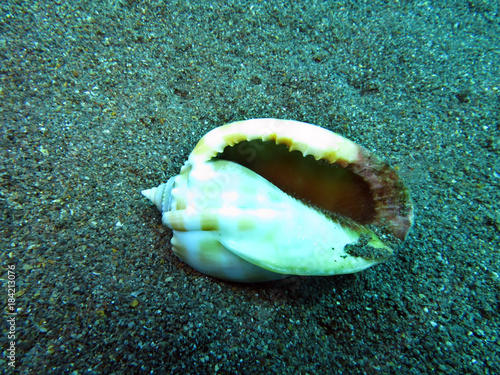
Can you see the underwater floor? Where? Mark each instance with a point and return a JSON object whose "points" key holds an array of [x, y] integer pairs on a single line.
{"points": [[103, 99]]}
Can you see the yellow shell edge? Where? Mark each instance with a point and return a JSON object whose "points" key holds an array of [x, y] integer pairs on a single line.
{"points": [[298, 136]]}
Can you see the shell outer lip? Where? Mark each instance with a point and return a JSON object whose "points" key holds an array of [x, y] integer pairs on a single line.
{"points": [[314, 140]]}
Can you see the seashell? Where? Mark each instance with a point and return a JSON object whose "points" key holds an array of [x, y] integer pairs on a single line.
{"points": [[263, 199]]}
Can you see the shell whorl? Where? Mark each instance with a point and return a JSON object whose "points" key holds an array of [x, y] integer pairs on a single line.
{"points": [[160, 196]]}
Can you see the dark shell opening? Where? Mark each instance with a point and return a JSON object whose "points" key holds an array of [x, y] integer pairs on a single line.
{"points": [[333, 187]]}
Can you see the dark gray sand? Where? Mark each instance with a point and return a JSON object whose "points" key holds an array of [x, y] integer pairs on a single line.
{"points": [[101, 100]]}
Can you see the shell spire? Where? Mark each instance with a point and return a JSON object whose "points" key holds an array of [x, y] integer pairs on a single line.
{"points": [[160, 195]]}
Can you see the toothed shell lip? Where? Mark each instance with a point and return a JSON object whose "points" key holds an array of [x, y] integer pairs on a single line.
{"points": [[318, 142]]}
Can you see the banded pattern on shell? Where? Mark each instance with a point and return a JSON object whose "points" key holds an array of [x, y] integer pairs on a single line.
{"points": [[262, 199]]}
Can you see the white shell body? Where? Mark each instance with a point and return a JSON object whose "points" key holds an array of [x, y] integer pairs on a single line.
{"points": [[230, 223]]}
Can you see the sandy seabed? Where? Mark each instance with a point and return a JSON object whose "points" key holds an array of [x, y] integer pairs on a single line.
{"points": [[100, 100]]}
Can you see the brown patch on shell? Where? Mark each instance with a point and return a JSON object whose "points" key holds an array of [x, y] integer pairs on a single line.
{"points": [[393, 205]]}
